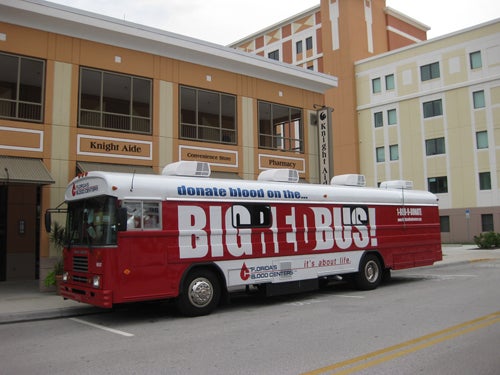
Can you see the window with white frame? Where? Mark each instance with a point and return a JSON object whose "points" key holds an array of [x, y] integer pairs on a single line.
{"points": [[392, 117], [380, 154], [394, 152], [482, 139], [475, 60], [478, 99]]}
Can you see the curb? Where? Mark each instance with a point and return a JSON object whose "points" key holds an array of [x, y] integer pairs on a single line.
{"points": [[61, 312]]}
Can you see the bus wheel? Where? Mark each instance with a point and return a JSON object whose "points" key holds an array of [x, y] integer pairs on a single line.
{"points": [[370, 273], [200, 293]]}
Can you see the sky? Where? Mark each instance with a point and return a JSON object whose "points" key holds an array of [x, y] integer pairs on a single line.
{"points": [[226, 21]]}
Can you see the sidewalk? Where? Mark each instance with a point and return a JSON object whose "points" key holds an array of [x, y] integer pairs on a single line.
{"points": [[22, 301]]}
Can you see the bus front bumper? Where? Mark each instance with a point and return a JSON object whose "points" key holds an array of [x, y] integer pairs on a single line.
{"points": [[95, 297]]}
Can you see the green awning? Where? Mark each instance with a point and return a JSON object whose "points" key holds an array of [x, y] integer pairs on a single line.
{"points": [[24, 171], [84, 166]]}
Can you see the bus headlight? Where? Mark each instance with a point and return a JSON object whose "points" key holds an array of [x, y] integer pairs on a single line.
{"points": [[96, 281], [65, 277]]}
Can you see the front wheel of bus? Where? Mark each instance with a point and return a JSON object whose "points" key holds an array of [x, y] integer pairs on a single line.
{"points": [[370, 273], [200, 293]]}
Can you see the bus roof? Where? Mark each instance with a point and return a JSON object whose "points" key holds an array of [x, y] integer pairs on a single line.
{"points": [[162, 187]]}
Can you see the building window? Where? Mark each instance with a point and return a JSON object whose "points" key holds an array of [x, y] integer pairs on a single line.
{"points": [[114, 101], [207, 116], [380, 152], [378, 119], [487, 223], [433, 108], [280, 127], [392, 117], [298, 47], [484, 181], [478, 99], [482, 139], [437, 185], [394, 152], [389, 82], [429, 71], [475, 60], [274, 55], [445, 224], [435, 146], [309, 43], [376, 87], [21, 88]]}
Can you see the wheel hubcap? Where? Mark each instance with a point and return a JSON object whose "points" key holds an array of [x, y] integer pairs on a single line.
{"points": [[371, 271], [200, 292]]}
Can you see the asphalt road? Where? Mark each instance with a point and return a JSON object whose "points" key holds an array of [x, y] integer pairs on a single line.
{"points": [[433, 320]]}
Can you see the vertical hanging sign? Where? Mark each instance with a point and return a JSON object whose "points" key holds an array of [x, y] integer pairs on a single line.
{"points": [[325, 162]]}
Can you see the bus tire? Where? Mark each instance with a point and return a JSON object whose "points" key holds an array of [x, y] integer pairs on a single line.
{"points": [[369, 275], [199, 294]]}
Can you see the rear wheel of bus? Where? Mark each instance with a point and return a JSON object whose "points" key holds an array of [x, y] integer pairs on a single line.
{"points": [[370, 273], [199, 294]]}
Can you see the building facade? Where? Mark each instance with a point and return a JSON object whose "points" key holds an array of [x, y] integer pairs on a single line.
{"points": [[430, 113], [329, 38], [80, 91]]}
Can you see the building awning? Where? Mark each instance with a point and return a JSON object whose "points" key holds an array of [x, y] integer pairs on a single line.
{"points": [[24, 170], [84, 166]]}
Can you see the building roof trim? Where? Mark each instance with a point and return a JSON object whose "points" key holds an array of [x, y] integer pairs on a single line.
{"points": [[403, 17], [275, 26], [429, 41], [81, 24]]}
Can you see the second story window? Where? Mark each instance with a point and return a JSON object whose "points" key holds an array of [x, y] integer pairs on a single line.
{"points": [[429, 71], [112, 101], [433, 108], [438, 185], [378, 119], [389, 82], [475, 60], [21, 88], [274, 55], [435, 146], [309, 43], [207, 116], [482, 139], [478, 99], [280, 127], [376, 87], [298, 47]]}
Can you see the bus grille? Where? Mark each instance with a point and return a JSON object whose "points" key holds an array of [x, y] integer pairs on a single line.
{"points": [[80, 264], [80, 279]]}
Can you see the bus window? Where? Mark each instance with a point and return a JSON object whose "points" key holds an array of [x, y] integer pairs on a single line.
{"points": [[142, 215]]}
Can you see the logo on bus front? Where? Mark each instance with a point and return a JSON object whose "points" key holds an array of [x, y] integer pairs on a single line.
{"points": [[83, 188]]}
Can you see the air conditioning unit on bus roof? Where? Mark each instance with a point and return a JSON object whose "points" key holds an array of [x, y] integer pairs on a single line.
{"points": [[349, 180], [279, 175], [187, 168], [397, 184]]}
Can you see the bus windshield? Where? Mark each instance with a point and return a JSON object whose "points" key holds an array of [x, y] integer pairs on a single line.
{"points": [[92, 222]]}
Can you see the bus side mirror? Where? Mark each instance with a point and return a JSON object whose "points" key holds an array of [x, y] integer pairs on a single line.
{"points": [[122, 219], [48, 222]]}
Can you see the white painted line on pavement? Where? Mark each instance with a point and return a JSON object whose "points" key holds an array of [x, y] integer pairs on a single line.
{"points": [[348, 296], [126, 334]]}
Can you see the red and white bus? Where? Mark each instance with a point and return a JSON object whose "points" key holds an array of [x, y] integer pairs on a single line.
{"points": [[184, 236]]}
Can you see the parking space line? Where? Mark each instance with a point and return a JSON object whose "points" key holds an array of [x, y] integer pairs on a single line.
{"points": [[116, 331]]}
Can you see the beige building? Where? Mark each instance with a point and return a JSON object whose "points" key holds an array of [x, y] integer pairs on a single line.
{"points": [[430, 113], [80, 91]]}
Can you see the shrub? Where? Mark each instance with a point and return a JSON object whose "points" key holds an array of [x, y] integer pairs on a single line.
{"points": [[487, 240]]}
